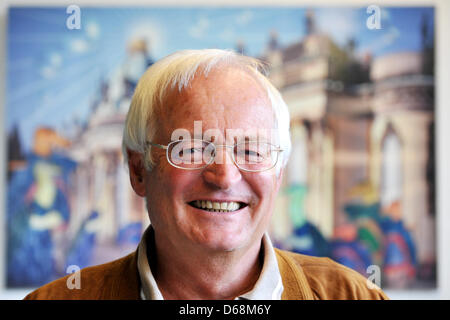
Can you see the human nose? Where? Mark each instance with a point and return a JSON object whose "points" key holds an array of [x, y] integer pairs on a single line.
{"points": [[222, 172]]}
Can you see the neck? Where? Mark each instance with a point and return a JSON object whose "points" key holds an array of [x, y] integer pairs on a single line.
{"points": [[199, 274]]}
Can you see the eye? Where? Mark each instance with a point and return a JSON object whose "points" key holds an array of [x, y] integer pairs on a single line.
{"points": [[249, 154], [191, 150], [252, 153]]}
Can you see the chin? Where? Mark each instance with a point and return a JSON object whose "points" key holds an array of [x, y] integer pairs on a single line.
{"points": [[219, 242]]}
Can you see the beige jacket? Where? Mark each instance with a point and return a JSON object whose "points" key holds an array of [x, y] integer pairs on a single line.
{"points": [[304, 278]]}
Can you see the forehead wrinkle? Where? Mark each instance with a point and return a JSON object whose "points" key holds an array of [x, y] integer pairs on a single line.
{"points": [[216, 101]]}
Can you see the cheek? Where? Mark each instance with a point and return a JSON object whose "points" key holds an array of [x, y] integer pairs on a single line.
{"points": [[167, 184], [265, 187], [165, 197]]}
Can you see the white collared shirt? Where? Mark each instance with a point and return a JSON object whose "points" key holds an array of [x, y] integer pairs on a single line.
{"points": [[268, 286]]}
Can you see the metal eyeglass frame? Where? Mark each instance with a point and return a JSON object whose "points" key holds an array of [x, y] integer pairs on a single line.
{"points": [[277, 149]]}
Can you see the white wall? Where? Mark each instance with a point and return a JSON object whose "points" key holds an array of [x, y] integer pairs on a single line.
{"points": [[442, 115]]}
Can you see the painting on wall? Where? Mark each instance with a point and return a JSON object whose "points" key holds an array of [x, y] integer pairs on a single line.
{"points": [[359, 83]]}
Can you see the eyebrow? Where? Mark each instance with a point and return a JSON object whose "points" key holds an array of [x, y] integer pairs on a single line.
{"points": [[247, 138], [261, 136]]}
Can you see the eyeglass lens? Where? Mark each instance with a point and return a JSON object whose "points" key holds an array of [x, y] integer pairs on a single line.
{"points": [[249, 155]]}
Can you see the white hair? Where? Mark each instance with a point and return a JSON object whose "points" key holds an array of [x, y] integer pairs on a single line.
{"points": [[177, 71]]}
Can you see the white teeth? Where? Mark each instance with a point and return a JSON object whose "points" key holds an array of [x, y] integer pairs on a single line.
{"points": [[217, 206]]}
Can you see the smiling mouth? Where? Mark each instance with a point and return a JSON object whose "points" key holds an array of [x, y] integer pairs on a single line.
{"points": [[213, 206]]}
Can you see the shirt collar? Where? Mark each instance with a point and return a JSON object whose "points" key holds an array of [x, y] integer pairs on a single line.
{"points": [[268, 286]]}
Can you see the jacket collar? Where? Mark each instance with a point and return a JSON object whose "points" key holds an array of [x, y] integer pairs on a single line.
{"points": [[125, 283], [295, 284]]}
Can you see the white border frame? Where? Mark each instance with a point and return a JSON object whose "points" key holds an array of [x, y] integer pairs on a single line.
{"points": [[442, 114]]}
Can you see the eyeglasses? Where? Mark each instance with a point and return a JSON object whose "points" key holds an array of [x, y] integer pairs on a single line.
{"points": [[194, 154]]}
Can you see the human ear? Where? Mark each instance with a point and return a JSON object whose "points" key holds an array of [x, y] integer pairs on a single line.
{"points": [[279, 178], [137, 171]]}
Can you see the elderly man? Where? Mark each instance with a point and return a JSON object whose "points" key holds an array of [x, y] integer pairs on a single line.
{"points": [[206, 140]]}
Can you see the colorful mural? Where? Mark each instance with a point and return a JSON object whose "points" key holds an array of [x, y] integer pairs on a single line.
{"points": [[359, 187]]}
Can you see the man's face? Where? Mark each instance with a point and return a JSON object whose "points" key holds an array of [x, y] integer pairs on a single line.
{"points": [[226, 99]]}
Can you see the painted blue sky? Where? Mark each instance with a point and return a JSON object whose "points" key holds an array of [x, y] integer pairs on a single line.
{"points": [[54, 73]]}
